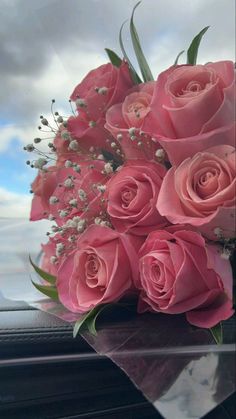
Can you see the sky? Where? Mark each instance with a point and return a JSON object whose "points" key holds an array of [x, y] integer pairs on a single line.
{"points": [[48, 46]]}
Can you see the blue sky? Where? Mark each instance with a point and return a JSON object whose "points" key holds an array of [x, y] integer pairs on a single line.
{"points": [[14, 173], [47, 55]]}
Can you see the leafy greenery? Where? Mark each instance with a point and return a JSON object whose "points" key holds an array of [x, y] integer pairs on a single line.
{"points": [[193, 49], [177, 58], [88, 321], [48, 290], [113, 57], [217, 333], [143, 65], [46, 276], [134, 75]]}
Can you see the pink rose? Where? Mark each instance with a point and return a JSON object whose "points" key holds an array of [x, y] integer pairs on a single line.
{"points": [[100, 89], [180, 273], [193, 109], [125, 121], [43, 187], [99, 271], [201, 192], [88, 137], [132, 195]]}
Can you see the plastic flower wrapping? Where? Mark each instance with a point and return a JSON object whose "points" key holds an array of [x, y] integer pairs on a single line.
{"points": [[139, 186]]}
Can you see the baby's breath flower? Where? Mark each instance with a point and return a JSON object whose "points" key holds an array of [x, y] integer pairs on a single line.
{"points": [[29, 147], [101, 188], [68, 183], [55, 229], [160, 154], [53, 259], [105, 224], [82, 194], [68, 163], [226, 253], [71, 223], [81, 226], [97, 220], [38, 164], [73, 145], [102, 90], [132, 131], [73, 202], [218, 232], [63, 213], [44, 121], [72, 238], [60, 247], [65, 135], [80, 103], [108, 168], [77, 168], [53, 200]]}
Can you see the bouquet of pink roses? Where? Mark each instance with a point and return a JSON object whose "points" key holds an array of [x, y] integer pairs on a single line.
{"points": [[140, 185]]}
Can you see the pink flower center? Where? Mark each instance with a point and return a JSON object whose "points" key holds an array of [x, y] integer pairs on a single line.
{"points": [[135, 107], [209, 181], [191, 82], [127, 195], [207, 184], [194, 86], [91, 269], [206, 177]]}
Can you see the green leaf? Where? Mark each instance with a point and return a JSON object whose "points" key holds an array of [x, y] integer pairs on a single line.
{"points": [[193, 49], [113, 57], [217, 333], [48, 290], [135, 77], [85, 319], [177, 58], [46, 276], [143, 65], [91, 323], [88, 320]]}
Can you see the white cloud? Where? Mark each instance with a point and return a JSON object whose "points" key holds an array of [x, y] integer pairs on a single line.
{"points": [[64, 50], [54, 83], [20, 132], [14, 205]]}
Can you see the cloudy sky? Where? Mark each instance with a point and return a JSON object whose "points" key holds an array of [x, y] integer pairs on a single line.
{"points": [[47, 46]]}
